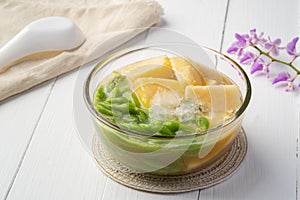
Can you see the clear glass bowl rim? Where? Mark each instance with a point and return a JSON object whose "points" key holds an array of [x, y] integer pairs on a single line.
{"points": [[104, 61]]}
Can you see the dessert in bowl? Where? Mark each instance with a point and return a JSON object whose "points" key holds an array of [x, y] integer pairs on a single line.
{"points": [[168, 109]]}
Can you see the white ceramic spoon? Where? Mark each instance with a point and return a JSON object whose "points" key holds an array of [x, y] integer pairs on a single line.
{"points": [[43, 35]]}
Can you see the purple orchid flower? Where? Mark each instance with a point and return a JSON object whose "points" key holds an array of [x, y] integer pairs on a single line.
{"points": [[238, 46], [255, 40], [262, 58], [282, 76], [234, 48], [291, 47], [286, 78], [248, 58], [273, 46], [290, 87], [258, 65], [242, 39]]}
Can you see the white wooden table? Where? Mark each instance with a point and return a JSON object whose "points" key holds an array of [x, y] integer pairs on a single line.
{"points": [[41, 156]]}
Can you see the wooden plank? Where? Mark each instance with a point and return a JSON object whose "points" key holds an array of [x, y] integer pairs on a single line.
{"points": [[202, 21], [18, 118], [56, 165], [272, 120], [116, 191]]}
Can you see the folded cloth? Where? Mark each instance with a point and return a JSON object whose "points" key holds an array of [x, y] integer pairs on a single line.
{"points": [[106, 24]]}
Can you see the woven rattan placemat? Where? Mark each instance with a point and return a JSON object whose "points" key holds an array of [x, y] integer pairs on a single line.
{"points": [[217, 172]]}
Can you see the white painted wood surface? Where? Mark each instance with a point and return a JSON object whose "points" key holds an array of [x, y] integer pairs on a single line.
{"points": [[18, 120], [42, 158], [272, 120]]}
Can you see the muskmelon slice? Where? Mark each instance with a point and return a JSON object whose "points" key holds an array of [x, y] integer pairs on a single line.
{"points": [[185, 72], [210, 75], [217, 98], [156, 67], [218, 102], [158, 91]]}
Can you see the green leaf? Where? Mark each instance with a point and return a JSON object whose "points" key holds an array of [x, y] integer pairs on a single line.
{"points": [[100, 95], [203, 123], [135, 100]]}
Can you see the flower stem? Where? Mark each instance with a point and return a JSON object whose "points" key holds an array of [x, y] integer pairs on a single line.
{"points": [[294, 58], [277, 60]]}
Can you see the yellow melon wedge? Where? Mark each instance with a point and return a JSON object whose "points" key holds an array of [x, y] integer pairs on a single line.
{"points": [[159, 60], [158, 91], [221, 101], [217, 98], [156, 67], [185, 72], [210, 75]]}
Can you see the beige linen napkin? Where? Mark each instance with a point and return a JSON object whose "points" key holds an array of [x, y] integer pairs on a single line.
{"points": [[105, 24]]}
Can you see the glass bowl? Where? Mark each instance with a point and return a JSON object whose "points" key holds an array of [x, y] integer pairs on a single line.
{"points": [[166, 155]]}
